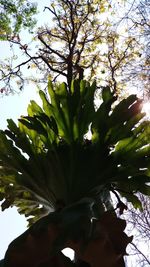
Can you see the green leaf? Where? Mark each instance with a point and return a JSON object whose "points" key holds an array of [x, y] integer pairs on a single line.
{"points": [[134, 200], [33, 124], [107, 95], [34, 108], [46, 105]]}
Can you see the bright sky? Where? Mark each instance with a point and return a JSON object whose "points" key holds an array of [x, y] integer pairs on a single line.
{"points": [[11, 223]]}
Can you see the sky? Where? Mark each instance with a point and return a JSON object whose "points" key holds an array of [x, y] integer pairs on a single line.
{"points": [[13, 106]]}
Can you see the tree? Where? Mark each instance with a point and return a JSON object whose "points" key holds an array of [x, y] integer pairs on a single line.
{"points": [[81, 41], [143, 23], [135, 21], [75, 32], [48, 163]]}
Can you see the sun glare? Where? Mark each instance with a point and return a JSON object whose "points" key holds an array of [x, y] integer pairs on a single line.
{"points": [[68, 252], [146, 109]]}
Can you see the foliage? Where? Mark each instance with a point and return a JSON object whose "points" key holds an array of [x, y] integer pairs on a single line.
{"points": [[14, 15], [48, 161], [135, 22], [84, 38]]}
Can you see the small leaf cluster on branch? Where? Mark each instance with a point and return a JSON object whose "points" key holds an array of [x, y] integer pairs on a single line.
{"points": [[14, 16]]}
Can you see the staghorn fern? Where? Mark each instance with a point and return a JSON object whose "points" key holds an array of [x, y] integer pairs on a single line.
{"points": [[47, 160]]}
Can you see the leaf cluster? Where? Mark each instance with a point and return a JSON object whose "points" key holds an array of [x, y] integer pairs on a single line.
{"points": [[49, 160], [15, 15]]}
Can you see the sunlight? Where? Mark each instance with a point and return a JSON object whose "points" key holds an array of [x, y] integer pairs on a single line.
{"points": [[146, 109], [68, 252]]}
